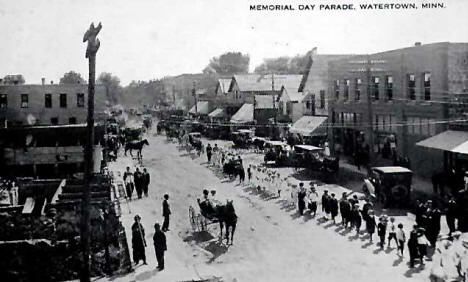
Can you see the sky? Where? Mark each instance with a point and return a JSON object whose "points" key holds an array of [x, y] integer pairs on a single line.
{"points": [[148, 39]]}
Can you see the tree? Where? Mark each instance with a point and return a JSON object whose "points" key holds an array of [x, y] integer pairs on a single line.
{"points": [[72, 77], [295, 65], [229, 63], [112, 85], [13, 79]]}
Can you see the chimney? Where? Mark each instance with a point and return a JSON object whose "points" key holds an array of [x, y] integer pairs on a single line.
{"points": [[417, 44], [43, 81], [51, 82]]}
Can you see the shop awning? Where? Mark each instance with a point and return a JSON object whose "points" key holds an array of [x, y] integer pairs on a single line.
{"points": [[218, 112], [244, 115], [450, 140], [202, 108], [310, 126]]}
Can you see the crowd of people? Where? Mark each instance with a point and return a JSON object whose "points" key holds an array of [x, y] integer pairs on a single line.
{"points": [[138, 180]]}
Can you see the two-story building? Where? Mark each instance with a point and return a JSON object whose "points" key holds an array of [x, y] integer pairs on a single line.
{"points": [[44, 128], [386, 102], [48, 104]]}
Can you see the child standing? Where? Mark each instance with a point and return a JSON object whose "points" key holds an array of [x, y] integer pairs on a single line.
{"points": [[382, 230], [401, 238], [392, 232], [249, 172]]}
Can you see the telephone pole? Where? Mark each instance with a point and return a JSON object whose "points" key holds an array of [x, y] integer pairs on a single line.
{"points": [[370, 111], [93, 46]]}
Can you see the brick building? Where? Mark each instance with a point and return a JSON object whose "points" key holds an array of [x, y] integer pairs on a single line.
{"points": [[51, 104], [409, 90]]}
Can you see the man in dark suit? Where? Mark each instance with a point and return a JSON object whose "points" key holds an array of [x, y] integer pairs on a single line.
{"points": [[159, 241], [138, 176], [166, 213], [146, 181]]}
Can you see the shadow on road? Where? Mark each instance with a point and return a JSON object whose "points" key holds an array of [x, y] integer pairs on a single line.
{"points": [[199, 237], [216, 248]]}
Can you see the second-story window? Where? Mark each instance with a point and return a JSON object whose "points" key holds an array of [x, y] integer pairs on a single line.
{"points": [[411, 84], [24, 100], [357, 89], [337, 89], [375, 88], [427, 86], [3, 101], [80, 100], [389, 87], [48, 100], [346, 89], [322, 99], [63, 100]]}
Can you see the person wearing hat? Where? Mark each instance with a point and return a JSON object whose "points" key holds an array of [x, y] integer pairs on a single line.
{"points": [[138, 241], [159, 242], [301, 198], [313, 199], [129, 182], [345, 209], [333, 202], [370, 224], [356, 219], [413, 246], [382, 230], [166, 213], [326, 204]]}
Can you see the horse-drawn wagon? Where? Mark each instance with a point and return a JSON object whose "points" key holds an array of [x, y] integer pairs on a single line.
{"points": [[211, 212]]}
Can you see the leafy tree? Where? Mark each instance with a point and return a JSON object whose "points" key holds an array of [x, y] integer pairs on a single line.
{"points": [[12, 79], [112, 84], [228, 63], [72, 77], [294, 65]]}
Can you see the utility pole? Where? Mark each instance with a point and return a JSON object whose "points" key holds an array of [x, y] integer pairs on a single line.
{"points": [[370, 111], [93, 46], [194, 93]]}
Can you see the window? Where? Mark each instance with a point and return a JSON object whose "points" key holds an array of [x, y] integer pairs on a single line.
{"points": [[375, 88], [54, 120], [357, 89], [427, 86], [337, 89], [72, 120], [313, 104], [389, 88], [322, 99], [308, 103], [48, 100], [63, 100], [411, 78], [3, 101], [24, 100], [346, 90], [80, 100]]}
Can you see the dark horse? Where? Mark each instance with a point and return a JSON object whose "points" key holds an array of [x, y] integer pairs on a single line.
{"points": [[224, 214], [135, 145]]}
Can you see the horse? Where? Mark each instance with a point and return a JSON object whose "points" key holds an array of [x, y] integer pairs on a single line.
{"points": [[224, 214], [135, 145]]}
